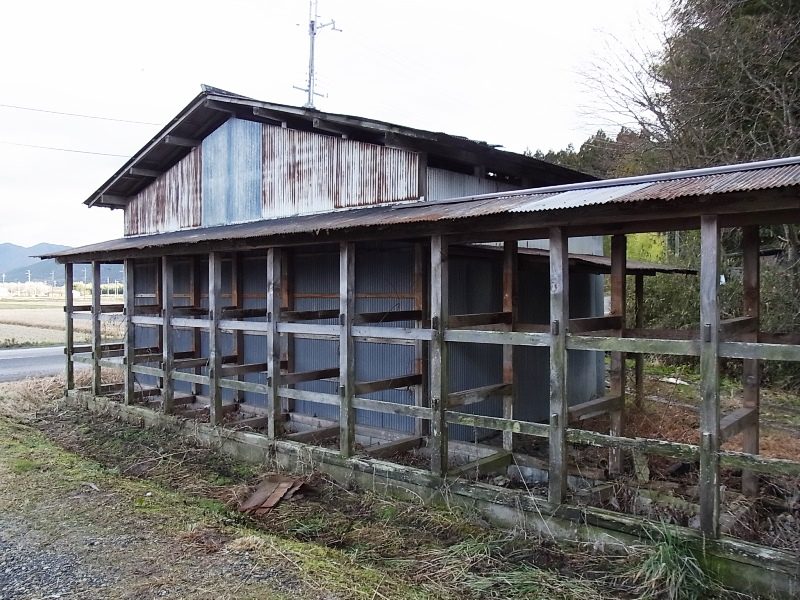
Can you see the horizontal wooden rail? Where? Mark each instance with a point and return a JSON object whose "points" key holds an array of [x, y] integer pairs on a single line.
{"points": [[396, 447], [474, 319], [189, 311], [497, 423], [190, 363], [257, 327], [633, 345], [147, 309], [499, 461], [511, 338], [313, 328], [475, 395], [392, 408], [595, 407], [244, 386], [319, 397], [367, 333], [190, 377], [300, 376], [391, 316], [367, 387], [190, 323], [738, 325], [314, 435], [104, 308], [231, 312], [686, 452], [230, 370], [760, 351], [147, 320], [154, 371]]}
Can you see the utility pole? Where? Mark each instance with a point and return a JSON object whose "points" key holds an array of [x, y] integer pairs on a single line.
{"points": [[314, 26]]}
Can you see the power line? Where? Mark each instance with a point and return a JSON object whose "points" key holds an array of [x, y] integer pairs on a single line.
{"points": [[82, 116], [62, 149]]}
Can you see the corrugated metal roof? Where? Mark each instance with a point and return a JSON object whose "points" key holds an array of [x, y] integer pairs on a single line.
{"points": [[782, 173]]}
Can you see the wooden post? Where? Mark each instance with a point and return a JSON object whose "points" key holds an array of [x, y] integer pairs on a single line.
{"points": [[510, 301], [617, 375], [709, 374], [347, 305], [129, 340], [97, 338], [237, 300], [168, 333], [559, 319], [421, 426], [214, 346], [274, 295], [751, 276], [639, 358], [70, 326], [196, 300], [439, 386]]}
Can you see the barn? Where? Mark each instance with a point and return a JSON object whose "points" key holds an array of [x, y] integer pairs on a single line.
{"points": [[300, 281]]}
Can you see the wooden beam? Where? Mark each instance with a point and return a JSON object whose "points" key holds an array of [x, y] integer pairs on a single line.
{"points": [[472, 320], [439, 378], [421, 396], [617, 373], [187, 363], [97, 339], [232, 312], [309, 315], [493, 463], [390, 449], [314, 436], [347, 309], [367, 387], [709, 375], [595, 407], [731, 328], [559, 317], [148, 173], [299, 377], [274, 283], [736, 422], [585, 324], [751, 369], [475, 395], [251, 423], [638, 311], [176, 140], [189, 311], [214, 336], [389, 316], [69, 338], [240, 369], [168, 359], [112, 200]]}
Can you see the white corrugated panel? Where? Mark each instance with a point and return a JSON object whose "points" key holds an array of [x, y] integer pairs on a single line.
{"points": [[443, 184]]}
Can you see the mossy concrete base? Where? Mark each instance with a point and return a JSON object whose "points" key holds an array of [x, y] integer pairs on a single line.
{"points": [[740, 565]]}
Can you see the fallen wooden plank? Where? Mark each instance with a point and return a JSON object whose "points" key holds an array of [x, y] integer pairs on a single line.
{"points": [[314, 435], [736, 422], [393, 448], [367, 387], [290, 378], [477, 394], [595, 407]]}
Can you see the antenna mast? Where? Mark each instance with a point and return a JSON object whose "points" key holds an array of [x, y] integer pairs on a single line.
{"points": [[314, 26]]}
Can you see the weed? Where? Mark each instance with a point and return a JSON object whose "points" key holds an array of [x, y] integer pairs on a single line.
{"points": [[23, 465]]}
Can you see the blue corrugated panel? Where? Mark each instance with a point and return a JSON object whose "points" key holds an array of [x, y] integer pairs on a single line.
{"points": [[231, 173]]}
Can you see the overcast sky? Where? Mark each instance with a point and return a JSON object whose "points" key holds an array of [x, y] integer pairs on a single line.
{"points": [[507, 72]]}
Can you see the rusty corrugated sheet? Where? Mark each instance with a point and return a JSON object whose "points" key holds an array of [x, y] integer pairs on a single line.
{"points": [[443, 184], [170, 203], [305, 172]]}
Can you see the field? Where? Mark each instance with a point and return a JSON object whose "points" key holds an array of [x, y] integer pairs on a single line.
{"points": [[28, 322]]}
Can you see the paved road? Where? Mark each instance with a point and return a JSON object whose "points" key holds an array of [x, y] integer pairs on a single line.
{"points": [[32, 362]]}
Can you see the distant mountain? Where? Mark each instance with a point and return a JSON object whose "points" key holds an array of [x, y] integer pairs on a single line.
{"points": [[16, 261]]}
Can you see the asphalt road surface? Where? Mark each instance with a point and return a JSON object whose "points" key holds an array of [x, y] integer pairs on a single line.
{"points": [[32, 362]]}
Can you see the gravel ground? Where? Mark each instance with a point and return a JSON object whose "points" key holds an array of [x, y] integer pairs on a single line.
{"points": [[31, 568]]}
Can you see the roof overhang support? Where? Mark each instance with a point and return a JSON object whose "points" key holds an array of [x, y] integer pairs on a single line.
{"points": [[176, 140], [150, 173], [111, 200]]}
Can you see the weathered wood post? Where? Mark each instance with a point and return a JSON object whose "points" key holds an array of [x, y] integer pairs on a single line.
{"points": [[618, 373], [97, 332], [347, 305], [214, 334], [421, 391], [639, 323], [439, 386], [69, 342], [274, 294], [168, 333], [129, 341], [510, 296], [751, 375], [559, 319], [709, 375]]}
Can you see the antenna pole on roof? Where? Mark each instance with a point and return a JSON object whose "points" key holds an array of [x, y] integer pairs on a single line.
{"points": [[314, 26]]}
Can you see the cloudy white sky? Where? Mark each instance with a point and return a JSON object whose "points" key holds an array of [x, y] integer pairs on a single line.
{"points": [[507, 72]]}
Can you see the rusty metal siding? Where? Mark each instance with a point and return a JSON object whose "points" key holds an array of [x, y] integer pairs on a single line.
{"points": [[170, 203], [307, 172], [443, 184], [231, 179]]}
